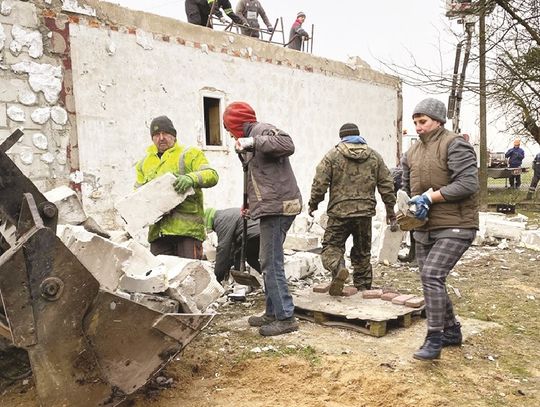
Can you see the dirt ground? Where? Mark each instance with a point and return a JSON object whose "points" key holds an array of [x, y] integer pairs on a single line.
{"points": [[495, 292]]}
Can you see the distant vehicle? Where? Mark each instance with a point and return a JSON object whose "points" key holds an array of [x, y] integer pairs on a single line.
{"points": [[496, 160]]}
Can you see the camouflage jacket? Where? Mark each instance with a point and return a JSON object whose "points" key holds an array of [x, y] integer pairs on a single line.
{"points": [[352, 172]]}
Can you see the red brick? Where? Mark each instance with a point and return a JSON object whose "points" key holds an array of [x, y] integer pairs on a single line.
{"points": [[321, 288], [389, 290], [372, 294], [400, 299], [349, 290], [389, 296], [415, 302]]}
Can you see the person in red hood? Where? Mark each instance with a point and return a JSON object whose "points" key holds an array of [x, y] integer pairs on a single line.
{"points": [[297, 33], [274, 198]]}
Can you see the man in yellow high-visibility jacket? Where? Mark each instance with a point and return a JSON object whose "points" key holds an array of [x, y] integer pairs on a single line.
{"points": [[182, 231]]}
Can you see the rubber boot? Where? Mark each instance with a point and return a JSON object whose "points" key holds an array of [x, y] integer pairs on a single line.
{"points": [[452, 336], [431, 349]]}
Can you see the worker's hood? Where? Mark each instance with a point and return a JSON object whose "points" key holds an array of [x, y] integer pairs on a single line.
{"points": [[236, 115], [359, 152]]}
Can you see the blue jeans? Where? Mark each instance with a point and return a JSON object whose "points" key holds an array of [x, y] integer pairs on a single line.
{"points": [[278, 299]]}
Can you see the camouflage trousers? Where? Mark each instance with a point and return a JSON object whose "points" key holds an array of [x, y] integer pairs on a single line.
{"points": [[336, 234]]}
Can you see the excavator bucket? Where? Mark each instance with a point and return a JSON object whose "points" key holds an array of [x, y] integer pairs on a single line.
{"points": [[87, 347]]}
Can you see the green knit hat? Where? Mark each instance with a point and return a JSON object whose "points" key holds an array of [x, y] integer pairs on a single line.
{"points": [[209, 214]]}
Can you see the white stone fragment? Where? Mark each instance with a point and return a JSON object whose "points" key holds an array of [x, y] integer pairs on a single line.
{"points": [[59, 115], [389, 245], [531, 239], [142, 262], [303, 264], [76, 177], [150, 202], [40, 141], [27, 97], [47, 158], [42, 78], [100, 256], [301, 242], [302, 223], [41, 115], [70, 209], [504, 229], [73, 6], [2, 38], [144, 39], [16, 114], [61, 157], [31, 39], [27, 156], [6, 7]]}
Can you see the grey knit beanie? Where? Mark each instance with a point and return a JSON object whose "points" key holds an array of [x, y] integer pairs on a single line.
{"points": [[349, 129], [162, 124], [433, 108]]}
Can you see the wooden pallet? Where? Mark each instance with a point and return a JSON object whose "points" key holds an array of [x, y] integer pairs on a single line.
{"points": [[370, 316]]}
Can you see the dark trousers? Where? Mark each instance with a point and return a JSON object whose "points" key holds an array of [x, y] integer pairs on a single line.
{"points": [[180, 246], [515, 181], [336, 234], [252, 254], [197, 12]]}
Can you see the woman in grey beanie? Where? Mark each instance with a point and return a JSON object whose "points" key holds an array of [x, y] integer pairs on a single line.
{"points": [[440, 172]]}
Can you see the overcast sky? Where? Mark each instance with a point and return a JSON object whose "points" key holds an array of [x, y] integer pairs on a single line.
{"points": [[388, 30]]}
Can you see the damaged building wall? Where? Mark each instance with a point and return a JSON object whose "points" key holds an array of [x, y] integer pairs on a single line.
{"points": [[32, 96], [120, 68]]}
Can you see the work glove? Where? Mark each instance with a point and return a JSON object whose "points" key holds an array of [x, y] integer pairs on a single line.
{"points": [[244, 144], [182, 183], [270, 29], [392, 221], [422, 203]]}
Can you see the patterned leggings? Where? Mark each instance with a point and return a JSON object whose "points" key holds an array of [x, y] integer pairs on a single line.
{"points": [[436, 261]]}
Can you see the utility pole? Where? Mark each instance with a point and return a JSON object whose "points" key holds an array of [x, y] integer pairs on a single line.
{"points": [[483, 115]]}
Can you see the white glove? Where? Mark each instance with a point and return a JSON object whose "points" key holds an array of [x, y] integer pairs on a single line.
{"points": [[244, 144]]}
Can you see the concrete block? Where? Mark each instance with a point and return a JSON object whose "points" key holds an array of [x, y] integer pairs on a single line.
{"points": [[154, 281], [150, 202], [504, 229], [531, 239], [103, 258], [401, 299], [415, 302], [389, 245], [302, 223], [194, 284], [369, 294], [389, 296], [70, 210], [23, 13], [142, 262], [296, 267], [156, 302], [303, 242]]}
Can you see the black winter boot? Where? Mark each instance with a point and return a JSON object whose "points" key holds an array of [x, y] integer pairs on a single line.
{"points": [[256, 320], [452, 336], [279, 327], [431, 349]]}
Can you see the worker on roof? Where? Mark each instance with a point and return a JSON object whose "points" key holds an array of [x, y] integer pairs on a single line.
{"points": [[297, 34], [251, 10], [198, 11]]}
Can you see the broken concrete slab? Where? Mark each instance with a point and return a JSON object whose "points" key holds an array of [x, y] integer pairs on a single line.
{"points": [[531, 239], [142, 262], [192, 283], [504, 229], [153, 281], [70, 209], [102, 257], [146, 205], [301, 242], [302, 264]]}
